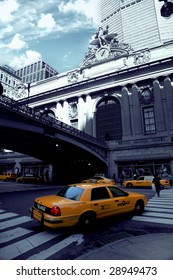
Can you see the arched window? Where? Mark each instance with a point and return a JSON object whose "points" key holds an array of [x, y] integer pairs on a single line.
{"points": [[108, 119]]}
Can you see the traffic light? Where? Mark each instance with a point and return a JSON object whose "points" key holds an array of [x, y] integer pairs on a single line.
{"points": [[1, 89], [167, 9]]}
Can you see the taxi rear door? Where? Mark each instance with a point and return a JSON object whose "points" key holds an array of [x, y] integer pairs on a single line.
{"points": [[102, 202]]}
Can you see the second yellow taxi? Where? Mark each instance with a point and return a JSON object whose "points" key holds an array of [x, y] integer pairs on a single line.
{"points": [[83, 204], [144, 181]]}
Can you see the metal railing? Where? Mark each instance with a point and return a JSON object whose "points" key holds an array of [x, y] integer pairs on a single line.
{"points": [[14, 105]]}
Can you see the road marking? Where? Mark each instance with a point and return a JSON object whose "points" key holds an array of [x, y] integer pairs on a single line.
{"points": [[14, 222], [43, 255], [13, 234], [158, 209], [153, 220], [7, 215], [16, 249]]}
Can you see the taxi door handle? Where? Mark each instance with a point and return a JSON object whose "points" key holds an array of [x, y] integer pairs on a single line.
{"points": [[95, 204], [117, 200]]}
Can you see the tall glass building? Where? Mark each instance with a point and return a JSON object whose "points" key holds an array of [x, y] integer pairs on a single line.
{"points": [[137, 22]]}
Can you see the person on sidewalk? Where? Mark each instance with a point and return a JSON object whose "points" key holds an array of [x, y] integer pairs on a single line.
{"points": [[156, 181]]}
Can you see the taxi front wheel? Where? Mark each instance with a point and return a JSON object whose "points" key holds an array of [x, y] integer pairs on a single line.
{"points": [[139, 207], [129, 185]]}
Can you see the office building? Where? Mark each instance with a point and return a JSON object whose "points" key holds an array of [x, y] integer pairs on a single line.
{"points": [[35, 72], [10, 81], [137, 22]]}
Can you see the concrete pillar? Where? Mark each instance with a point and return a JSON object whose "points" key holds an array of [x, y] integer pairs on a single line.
{"points": [[81, 114], [89, 115], [171, 167], [168, 90], [59, 114], [136, 112], [126, 118], [65, 112], [158, 106]]}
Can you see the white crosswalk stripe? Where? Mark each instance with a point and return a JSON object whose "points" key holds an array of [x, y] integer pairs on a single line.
{"points": [[159, 209], [29, 239]]}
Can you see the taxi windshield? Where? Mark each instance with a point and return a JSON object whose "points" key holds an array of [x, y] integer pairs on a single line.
{"points": [[71, 192]]}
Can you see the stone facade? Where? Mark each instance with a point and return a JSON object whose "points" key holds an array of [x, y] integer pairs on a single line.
{"points": [[134, 94]]}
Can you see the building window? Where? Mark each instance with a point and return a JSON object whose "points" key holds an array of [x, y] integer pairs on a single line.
{"points": [[149, 120], [108, 119]]}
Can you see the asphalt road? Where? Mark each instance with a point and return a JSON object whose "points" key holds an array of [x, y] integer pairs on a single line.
{"points": [[62, 243]]}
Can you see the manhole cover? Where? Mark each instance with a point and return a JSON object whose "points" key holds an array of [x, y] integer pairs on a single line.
{"points": [[112, 238]]}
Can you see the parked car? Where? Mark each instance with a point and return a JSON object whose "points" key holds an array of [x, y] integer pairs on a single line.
{"points": [[144, 181], [99, 179], [84, 203], [30, 178], [8, 176]]}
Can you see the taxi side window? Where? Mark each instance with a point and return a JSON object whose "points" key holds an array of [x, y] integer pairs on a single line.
{"points": [[116, 192], [140, 178], [99, 193]]}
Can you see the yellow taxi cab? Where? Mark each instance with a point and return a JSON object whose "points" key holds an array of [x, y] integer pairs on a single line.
{"points": [[84, 203], [99, 179], [8, 176], [30, 178], [144, 181]]}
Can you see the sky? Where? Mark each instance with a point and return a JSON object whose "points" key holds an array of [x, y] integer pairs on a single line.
{"points": [[56, 31]]}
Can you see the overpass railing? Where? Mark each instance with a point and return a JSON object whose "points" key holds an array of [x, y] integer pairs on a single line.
{"points": [[14, 105]]}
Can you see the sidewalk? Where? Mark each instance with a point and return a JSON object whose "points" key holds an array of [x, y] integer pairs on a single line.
{"points": [[158, 246]]}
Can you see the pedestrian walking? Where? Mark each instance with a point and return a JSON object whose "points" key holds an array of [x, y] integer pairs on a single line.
{"points": [[114, 178], [156, 181]]}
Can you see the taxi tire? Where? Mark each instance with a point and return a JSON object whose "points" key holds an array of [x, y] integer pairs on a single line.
{"points": [[129, 185], [139, 207], [87, 220]]}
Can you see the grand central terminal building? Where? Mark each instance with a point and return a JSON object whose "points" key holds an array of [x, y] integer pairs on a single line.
{"points": [[119, 96]]}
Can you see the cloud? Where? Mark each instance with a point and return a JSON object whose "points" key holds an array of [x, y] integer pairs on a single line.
{"points": [[7, 8], [88, 8], [25, 59], [17, 42], [47, 22]]}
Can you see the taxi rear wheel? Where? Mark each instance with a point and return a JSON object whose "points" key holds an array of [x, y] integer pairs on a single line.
{"points": [[87, 220], [139, 207]]}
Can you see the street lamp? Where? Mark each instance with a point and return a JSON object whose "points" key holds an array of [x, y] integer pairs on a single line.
{"points": [[1, 89], [167, 8]]}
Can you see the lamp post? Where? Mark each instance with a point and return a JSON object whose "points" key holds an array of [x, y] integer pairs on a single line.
{"points": [[1, 89], [166, 10]]}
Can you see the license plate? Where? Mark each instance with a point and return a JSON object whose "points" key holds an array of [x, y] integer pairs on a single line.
{"points": [[41, 207]]}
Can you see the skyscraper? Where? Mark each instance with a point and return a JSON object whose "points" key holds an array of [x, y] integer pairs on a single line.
{"points": [[137, 22]]}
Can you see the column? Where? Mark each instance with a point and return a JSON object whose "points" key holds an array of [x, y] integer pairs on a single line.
{"points": [[65, 112], [159, 112], [136, 112], [126, 118], [81, 114], [168, 90], [89, 115], [59, 111]]}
